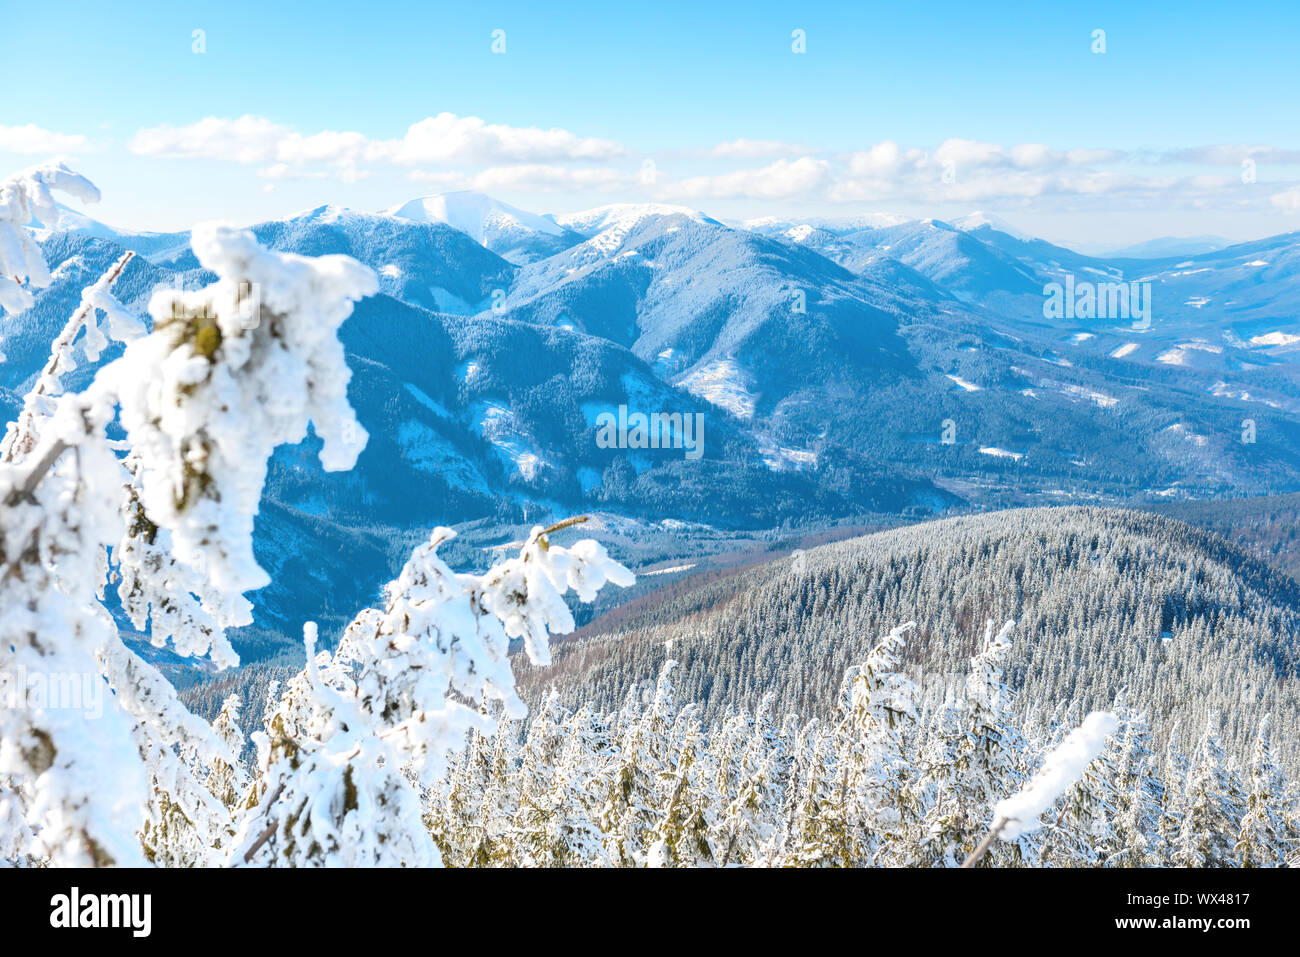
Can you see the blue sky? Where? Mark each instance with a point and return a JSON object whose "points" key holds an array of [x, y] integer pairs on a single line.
{"points": [[919, 109]]}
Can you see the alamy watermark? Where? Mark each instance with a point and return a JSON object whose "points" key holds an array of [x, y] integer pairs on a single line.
{"points": [[1098, 300], [133, 912], [248, 303], [656, 430], [52, 690]]}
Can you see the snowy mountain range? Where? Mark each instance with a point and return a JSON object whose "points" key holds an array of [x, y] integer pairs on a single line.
{"points": [[843, 368], [511, 233]]}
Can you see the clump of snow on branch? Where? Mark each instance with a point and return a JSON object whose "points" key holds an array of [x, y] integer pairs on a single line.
{"points": [[357, 735], [525, 592], [154, 587], [228, 373], [1061, 769], [79, 781], [23, 434], [122, 325], [23, 197], [204, 398]]}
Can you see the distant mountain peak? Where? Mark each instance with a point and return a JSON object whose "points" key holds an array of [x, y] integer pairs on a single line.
{"points": [[479, 216], [838, 225], [1166, 246], [327, 213], [624, 216], [979, 220], [73, 221]]}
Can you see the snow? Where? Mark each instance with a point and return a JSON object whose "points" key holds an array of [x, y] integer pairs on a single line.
{"points": [[1179, 354], [622, 217], [1127, 348], [437, 408], [722, 383], [427, 451], [1061, 769], [668, 571], [1178, 428], [496, 423], [1274, 339], [23, 197], [1223, 390], [1002, 453], [978, 220], [780, 459], [968, 386], [1079, 337], [1079, 392], [478, 216], [222, 380], [665, 363]]}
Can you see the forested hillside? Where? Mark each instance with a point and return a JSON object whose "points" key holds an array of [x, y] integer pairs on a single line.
{"points": [[1267, 526], [880, 783], [1104, 600]]}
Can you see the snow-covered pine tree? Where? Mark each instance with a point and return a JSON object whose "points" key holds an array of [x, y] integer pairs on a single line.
{"points": [[819, 831], [359, 733], [453, 809], [501, 799], [681, 838], [1209, 826], [573, 836], [66, 494], [878, 717], [531, 837], [631, 808], [1139, 793], [977, 756], [1262, 839], [746, 825], [1082, 832], [786, 766], [1173, 803]]}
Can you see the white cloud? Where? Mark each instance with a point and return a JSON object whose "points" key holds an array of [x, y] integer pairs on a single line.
{"points": [[782, 179], [882, 160], [447, 151], [445, 138], [1288, 200], [532, 177], [1022, 156], [757, 149], [441, 180], [543, 178], [961, 152], [287, 172], [960, 170], [32, 139], [1229, 155], [249, 139]]}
